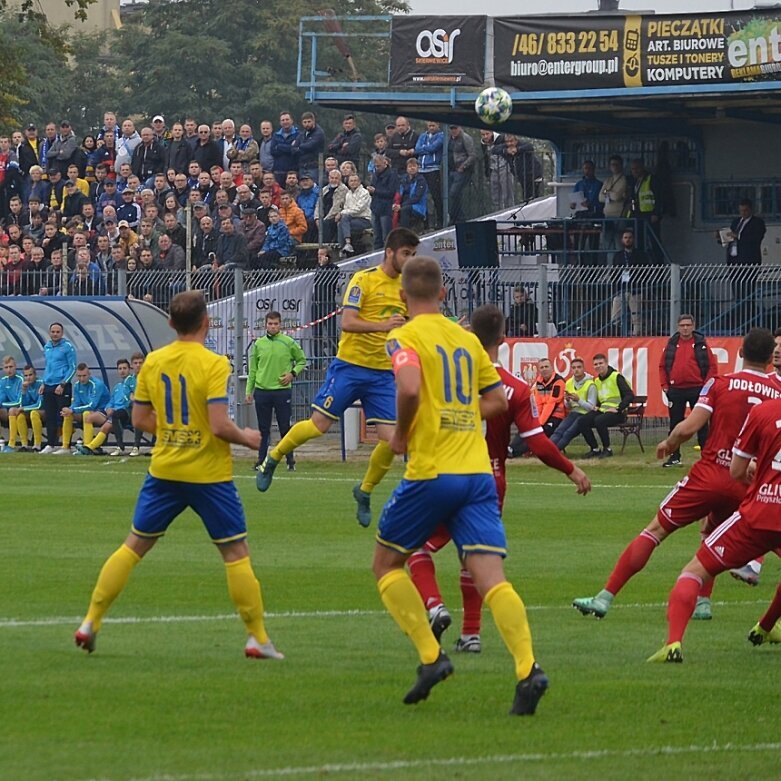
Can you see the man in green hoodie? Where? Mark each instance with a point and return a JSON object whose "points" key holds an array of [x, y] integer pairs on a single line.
{"points": [[275, 360]]}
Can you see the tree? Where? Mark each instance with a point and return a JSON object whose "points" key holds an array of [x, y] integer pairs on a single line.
{"points": [[218, 58]]}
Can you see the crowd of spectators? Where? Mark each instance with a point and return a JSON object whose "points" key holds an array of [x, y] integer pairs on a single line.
{"points": [[73, 211]]}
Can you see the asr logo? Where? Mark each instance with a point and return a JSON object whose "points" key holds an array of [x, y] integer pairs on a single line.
{"points": [[436, 46]]}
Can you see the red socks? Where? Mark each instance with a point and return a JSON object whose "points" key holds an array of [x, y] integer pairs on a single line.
{"points": [[681, 604], [473, 603], [424, 576], [773, 613], [632, 560]]}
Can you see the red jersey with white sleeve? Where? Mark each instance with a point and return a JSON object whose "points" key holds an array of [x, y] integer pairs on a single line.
{"points": [[708, 491], [755, 528], [521, 410]]}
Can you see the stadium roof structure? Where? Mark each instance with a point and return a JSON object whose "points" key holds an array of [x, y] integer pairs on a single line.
{"points": [[102, 330], [554, 114]]}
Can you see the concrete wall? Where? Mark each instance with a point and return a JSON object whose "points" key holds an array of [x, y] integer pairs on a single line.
{"points": [[99, 14]]}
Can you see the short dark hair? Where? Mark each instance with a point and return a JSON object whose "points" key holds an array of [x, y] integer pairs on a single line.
{"points": [[777, 332], [421, 278], [616, 158], [273, 315], [758, 346], [599, 357], [121, 361], [348, 116], [401, 237], [685, 316], [589, 162], [187, 311], [56, 323], [746, 202], [28, 368], [81, 367], [308, 115], [577, 359], [487, 323]]}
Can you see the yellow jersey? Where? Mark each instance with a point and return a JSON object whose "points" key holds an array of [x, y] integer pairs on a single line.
{"points": [[446, 436], [180, 381], [376, 297]]}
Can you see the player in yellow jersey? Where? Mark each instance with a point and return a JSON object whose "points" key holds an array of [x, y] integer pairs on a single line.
{"points": [[445, 384], [182, 397], [372, 306]]}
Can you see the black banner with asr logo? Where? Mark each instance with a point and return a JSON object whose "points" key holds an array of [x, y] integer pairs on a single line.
{"points": [[437, 51]]}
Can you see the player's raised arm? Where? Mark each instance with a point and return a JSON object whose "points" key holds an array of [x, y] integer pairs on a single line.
{"points": [[223, 427], [683, 432]]}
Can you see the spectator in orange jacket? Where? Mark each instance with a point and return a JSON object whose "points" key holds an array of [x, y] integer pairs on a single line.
{"points": [[549, 395], [293, 216]]}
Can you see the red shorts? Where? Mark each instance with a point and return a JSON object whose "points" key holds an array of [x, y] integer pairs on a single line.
{"points": [[735, 543], [705, 492]]}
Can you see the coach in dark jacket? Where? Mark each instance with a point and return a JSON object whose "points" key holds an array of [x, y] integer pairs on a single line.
{"points": [[687, 364], [748, 230]]}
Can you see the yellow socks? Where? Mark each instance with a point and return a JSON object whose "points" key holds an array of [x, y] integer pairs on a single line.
{"points": [[403, 602], [35, 419], [510, 618], [97, 441], [12, 431], [21, 428], [67, 430], [244, 590], [379, 463], [112, 579], [302, 432], [87, 431]]}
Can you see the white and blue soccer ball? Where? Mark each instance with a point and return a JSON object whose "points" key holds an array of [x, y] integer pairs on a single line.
{"points": [[494, 105]]}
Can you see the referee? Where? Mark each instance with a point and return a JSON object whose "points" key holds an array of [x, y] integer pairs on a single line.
{"points": [[275, 360]]}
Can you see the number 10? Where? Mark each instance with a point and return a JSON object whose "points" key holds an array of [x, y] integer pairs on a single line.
{"points": [[460, 360]]}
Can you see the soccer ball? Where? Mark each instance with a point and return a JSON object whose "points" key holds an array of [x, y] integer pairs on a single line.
{"points": [[494, 105]]}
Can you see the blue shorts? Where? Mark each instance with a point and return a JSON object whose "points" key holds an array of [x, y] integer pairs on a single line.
{"points": [[345, 383], [466, 504], [217, 504]]}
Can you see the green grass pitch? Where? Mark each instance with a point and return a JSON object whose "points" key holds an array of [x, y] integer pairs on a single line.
{"points": [[169, 696]]}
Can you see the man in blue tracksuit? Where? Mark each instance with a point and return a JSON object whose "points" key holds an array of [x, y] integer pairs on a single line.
{"points": [[10, 397], [90, 399], [282, 150], [428, 150], [60, 366], [117, 416]]}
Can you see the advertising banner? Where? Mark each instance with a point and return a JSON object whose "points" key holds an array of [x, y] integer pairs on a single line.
{"points": [[437, 51], [597, 52], [637, 359]]}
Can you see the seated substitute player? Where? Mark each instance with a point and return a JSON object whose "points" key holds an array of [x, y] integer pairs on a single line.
{"points": [[753, 530], [136, 362], [488, 325], [10, 397], [30, 408], [90, 398], [707, 491], [182, 396], [372, 306], [445, 382], [117, 416]]}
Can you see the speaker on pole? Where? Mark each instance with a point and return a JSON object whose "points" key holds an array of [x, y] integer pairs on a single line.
{"points": [[476, 242]]}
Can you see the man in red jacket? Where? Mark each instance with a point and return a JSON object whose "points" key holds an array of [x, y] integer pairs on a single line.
{"points": [[687, 364]]}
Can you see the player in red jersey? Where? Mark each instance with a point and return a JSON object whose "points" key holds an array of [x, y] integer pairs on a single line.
{"points": [[487, 323], [752, 531], [750, 572], [707, 491]]}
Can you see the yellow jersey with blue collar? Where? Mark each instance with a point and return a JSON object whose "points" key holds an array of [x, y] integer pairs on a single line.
{"points": [[375, 296], [447, 434], [180, 381]]}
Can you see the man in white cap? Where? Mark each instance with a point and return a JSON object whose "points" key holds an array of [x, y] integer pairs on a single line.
{"points": [[162, 133]]}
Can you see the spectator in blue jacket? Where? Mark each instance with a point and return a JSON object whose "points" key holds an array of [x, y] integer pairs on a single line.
{"points": [[307, 199], [383, 188], [414, 194], [428, 150], [310, 144], [278, 242], [282, 149]]}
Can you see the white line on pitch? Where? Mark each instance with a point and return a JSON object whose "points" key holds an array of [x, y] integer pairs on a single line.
{"points": [[339, 479], [497, 759], [12, 623]]}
